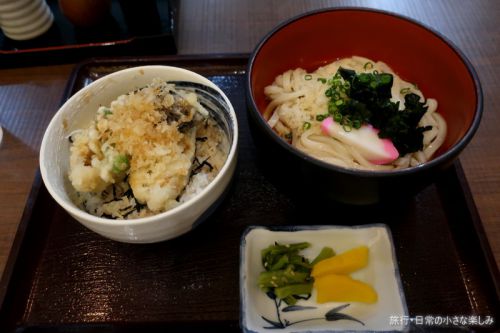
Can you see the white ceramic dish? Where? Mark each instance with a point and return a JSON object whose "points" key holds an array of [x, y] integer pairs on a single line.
{"points": [[381, 273], [80, 110]]}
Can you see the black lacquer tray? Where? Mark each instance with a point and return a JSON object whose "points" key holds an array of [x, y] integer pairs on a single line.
{"points": [[130, 28], [61, 277]]}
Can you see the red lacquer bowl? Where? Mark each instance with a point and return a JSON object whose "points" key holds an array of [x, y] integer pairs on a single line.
{"points": [[415, 52]]}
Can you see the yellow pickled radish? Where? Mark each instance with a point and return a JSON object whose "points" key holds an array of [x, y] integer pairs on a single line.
{"points": [[344, 263], [342, 288]]}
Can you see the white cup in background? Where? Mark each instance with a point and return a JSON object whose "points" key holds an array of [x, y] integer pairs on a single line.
{"points": [[25, 19]]}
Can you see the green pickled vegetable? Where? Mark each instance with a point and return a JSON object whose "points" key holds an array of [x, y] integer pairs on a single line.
{"points": [[325, 253], [272, 254], [293, 289], [287, 273], [282, 262], [282, 278]]}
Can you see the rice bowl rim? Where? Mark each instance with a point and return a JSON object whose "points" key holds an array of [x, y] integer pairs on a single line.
{"points": [[163, 71]]}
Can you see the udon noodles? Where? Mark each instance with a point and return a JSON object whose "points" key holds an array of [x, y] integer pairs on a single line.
{"points": [[297, 98]]}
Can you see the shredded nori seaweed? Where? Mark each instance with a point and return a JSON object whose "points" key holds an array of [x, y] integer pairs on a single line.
{"points": [[367, 101], [199, 165], [184, 127]]}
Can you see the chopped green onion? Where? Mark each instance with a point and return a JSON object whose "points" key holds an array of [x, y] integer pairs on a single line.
{"points": [[307, 125], [332, 108], [308, 77], [321, 117], [356, 124], [321, 79], [385, 78], [347, 127], [120, 164], [337, 117], [404, 91], [339, 102], [375, 72], [106, 111], [368, 65]]}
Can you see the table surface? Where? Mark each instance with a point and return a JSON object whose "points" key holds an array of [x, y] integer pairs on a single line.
{"points": [[29, 96]]}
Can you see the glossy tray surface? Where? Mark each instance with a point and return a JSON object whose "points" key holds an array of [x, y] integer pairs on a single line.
{"points": [[63, 277], [128, 28]]}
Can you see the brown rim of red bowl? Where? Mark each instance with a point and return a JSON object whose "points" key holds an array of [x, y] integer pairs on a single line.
{"points": [[443, 158]]}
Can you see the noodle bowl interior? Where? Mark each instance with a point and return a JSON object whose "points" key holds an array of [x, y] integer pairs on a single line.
{"points": [[355, 113]]}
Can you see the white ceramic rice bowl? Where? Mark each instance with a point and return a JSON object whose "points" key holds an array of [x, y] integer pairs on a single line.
{"points": [[80, 110]]}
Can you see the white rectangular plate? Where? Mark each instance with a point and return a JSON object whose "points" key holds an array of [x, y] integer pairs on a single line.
{"points": [[260, 313]]}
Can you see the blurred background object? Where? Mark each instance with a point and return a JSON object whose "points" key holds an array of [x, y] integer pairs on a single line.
{"points": [[93, 28], [85, 13], [142, 17], [25, 19]]}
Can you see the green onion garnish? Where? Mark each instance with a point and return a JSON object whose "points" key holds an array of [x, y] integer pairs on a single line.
{"points": [[321, 79], [404, 91], [337, 117], [385, 78], [106, 111], [120, 163], [332, 108], [307, 125], [321, 117], [308, 77], [368, 65], [347, 127]]}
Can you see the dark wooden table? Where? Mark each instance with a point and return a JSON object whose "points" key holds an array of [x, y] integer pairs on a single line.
{"points": [[29, 96]]}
